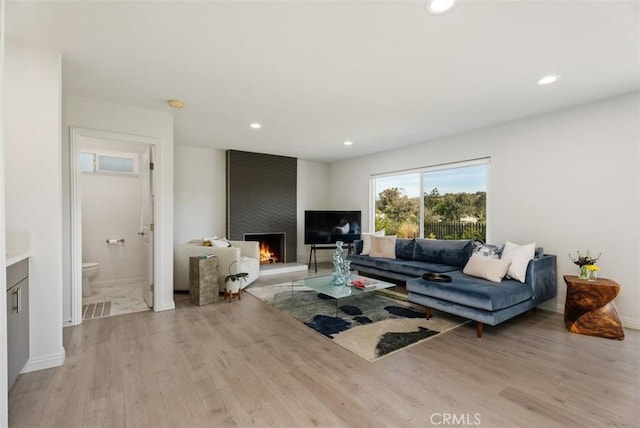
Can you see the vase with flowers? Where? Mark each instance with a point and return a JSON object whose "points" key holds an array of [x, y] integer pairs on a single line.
{"points": [[593, 272], [586, 264]]}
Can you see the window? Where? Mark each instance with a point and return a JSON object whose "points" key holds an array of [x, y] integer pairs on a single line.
{"points": [[397, 205], [455, 203], [443, 202], [115, 164], [87, 162], [106, 162]]}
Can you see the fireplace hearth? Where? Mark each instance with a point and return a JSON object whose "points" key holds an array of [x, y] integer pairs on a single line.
{"points": [[272, 246]]}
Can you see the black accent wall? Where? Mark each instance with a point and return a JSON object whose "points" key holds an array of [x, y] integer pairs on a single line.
{"points": [[261, 197]]}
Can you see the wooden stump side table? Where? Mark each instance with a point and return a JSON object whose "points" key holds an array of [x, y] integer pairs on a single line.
{"points": [[203, 280], [589, 307]]}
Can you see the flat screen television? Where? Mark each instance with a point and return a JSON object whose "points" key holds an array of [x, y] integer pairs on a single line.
{"points": [[328, 227]]}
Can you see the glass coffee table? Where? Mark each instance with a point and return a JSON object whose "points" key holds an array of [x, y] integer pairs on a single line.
{"points": [[322, 285]]}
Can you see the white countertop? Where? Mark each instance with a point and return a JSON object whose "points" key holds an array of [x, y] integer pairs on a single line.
{"points": [[14, 257]]}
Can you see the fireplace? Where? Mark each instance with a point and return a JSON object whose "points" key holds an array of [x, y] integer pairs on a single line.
{"points": [[262, 197], [272, 246]]}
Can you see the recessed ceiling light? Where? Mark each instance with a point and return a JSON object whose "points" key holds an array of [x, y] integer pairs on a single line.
{"points": [[348, 143], [176, 104], [438, 7], [549, 79], [255, 125]]}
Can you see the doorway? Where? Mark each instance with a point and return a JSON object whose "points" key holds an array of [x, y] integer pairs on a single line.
{"points": [[112, 223]]}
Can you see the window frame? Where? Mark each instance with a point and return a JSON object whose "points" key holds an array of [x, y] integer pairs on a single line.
{"points": [[422, 171], [134, 157]]}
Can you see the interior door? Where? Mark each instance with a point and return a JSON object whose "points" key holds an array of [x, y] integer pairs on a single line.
{"points": [[146, 225]]}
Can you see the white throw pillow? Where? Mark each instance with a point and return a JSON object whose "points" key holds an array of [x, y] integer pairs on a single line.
{"points": [[383, 246], [519, 255], [220, 243], [366, 241], [484, 267], [208, 242]]}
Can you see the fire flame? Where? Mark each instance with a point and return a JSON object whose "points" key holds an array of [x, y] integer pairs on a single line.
{"points": [[266, 255]]}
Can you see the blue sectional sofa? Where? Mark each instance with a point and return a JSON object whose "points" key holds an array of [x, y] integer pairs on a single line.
{"points": [[467, 296]]}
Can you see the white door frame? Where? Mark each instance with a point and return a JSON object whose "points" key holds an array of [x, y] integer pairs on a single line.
{"points": [[146, 224], [75, 137]]}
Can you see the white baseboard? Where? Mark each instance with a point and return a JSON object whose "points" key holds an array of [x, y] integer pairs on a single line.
{"points": [[631, 323], [558, 307], [44, 362], [165, 307]]}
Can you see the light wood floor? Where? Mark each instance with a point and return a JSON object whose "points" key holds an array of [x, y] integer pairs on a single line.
{"points": [[246, 364]]}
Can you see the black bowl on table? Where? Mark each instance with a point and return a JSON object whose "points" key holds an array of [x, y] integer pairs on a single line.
{"points": [[436, 277]]}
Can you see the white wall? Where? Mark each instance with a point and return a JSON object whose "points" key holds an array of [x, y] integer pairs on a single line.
{"points": [[568, 180], [199, 193], [32, 88], [3, 296], [111, 206], [104, 116], [313, 194]]}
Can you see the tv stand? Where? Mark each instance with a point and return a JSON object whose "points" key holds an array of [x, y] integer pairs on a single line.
{"points": [[315, 247]]}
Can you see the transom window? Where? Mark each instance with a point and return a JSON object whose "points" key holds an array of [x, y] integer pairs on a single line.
{"points": [[443, 202], [109, 162]]}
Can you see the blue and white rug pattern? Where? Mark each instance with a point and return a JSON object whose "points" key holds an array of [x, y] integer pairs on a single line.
{"points": [[372, 325]]}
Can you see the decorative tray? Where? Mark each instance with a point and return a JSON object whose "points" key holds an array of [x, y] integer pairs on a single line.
{"points": [[436, 277]]}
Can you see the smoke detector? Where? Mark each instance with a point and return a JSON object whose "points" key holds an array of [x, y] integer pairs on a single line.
{"points": [[178, 104]]}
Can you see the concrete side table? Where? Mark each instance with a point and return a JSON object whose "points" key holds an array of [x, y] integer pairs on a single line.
{"points": [[203, 280]]}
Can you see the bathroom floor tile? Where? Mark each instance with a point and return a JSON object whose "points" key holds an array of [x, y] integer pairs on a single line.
{"points": [[124, 298]]}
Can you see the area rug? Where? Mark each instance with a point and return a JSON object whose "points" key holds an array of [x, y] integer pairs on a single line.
{"points": [[372, 325]]}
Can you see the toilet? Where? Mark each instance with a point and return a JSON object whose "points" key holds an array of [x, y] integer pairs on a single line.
{"points": [[89, 269]]}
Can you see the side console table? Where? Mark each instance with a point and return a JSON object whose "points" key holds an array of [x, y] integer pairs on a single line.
{"points": [[589, 307], [203, 280]]}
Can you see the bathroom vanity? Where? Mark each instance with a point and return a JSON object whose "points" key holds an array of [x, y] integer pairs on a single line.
{"points": [[17, 315]]}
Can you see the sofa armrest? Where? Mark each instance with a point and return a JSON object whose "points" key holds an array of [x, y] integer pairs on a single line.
{"points": [[541, 275], [248, 248], [181, 254]]}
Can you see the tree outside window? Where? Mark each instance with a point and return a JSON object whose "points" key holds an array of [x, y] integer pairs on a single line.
{"points": [[453, 203], [398, 205]]}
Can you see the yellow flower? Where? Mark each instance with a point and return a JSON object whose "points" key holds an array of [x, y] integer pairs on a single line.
{"points": [[593, 268]]}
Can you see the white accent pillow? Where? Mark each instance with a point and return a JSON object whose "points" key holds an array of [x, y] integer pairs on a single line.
{"points": [[220, 243], [366, 241], [484, 267], [519, 255], [383, 246]]}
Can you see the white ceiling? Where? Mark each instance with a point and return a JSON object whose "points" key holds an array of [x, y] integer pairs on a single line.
{"points": [[382, 74]]}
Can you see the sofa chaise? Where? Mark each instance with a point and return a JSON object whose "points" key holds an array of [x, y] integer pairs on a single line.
{"points": [[471, 297]]}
